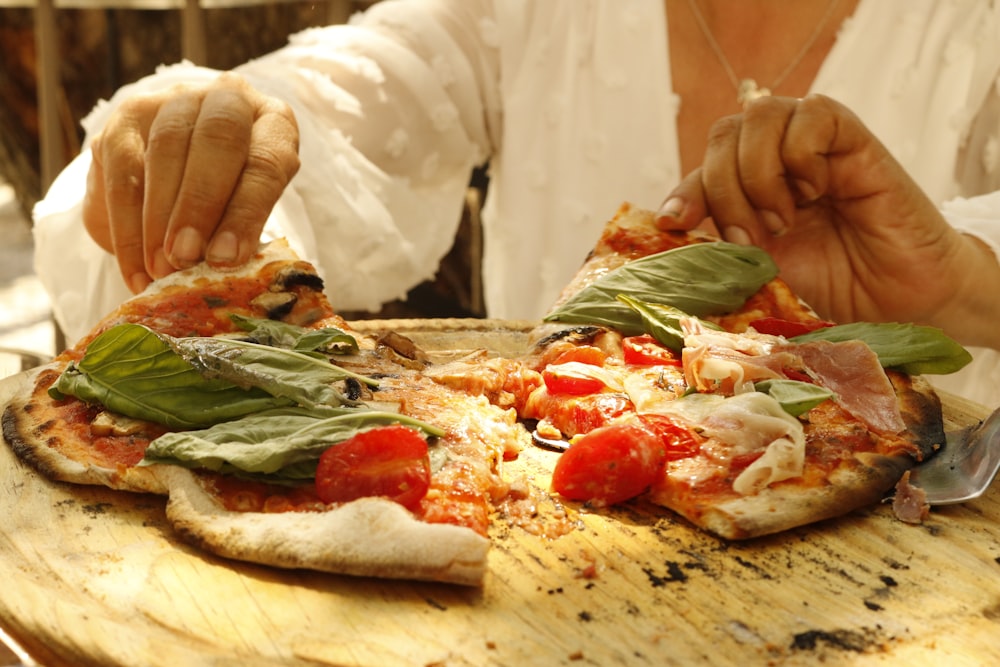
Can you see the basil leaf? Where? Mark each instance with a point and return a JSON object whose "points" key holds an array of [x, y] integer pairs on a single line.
{"points": [[795, 397], [302, 378], [662, 322], [283, 444], [131, 370], [701, 279], [293, 337], [911, 348]]}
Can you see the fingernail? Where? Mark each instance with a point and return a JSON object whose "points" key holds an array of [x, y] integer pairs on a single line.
{"points": [[188, 247], [161, 265], [224, 249], [736, 235], [806, 190], [773, 222], [672, 208], [138, 282]]}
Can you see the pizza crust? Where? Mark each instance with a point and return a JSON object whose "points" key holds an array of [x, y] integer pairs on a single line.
{"points": [[788, 506], [367, 537], [32, 436], [862, 483], [922, 412]]}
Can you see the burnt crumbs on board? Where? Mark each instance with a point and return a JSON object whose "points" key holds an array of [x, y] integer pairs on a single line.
{"points": [[674, 574], [857, 641]]}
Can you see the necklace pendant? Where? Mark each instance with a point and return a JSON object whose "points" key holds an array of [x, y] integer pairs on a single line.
{"points": [[749, 91]]}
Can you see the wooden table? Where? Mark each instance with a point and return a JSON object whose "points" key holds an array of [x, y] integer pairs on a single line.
{"points": [[91, 576]]}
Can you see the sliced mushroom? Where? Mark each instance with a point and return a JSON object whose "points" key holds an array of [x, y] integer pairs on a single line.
{"points": [[275, 304], [580, 334], [403, 346], [299, 274], [107, 423]]}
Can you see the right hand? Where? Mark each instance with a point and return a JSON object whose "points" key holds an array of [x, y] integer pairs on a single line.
{"points": [[851, 231], [188, 174]]}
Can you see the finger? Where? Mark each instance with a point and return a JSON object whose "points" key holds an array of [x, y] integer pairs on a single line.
{"points": [[166, 157], [685, 207], [216, 157], [726, 201], [831, 154], [824, 136], [760, 162], [121, 156], [272, 161]]}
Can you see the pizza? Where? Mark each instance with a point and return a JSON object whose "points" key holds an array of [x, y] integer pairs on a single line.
{"points": [[409, 510], [755, 422], [675, 368], [686, 372]]}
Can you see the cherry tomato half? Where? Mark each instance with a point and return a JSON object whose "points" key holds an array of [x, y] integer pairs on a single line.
{"points": [[645, 350], [610, 464], [679, 442], [572, 378], [388, 461]]}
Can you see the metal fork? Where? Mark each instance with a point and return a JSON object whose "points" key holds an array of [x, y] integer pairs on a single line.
{"points": [[965, 467]]}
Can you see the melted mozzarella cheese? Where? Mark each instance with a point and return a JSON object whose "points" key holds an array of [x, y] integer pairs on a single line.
{"points": [[743, 425], [651, 388]]}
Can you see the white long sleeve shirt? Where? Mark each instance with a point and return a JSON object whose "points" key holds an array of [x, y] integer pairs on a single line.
{"points": [[571, 103]]}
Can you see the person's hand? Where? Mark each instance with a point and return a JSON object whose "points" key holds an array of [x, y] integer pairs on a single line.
{"points": [[852, 233], [187, 174]]}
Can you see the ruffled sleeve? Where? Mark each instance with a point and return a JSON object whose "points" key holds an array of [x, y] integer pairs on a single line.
{"points": [[394, 112]]}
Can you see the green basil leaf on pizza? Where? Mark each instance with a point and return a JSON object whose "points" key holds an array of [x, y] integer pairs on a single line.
{"points": [[194, 382], [283, 444], [306, 379], [911, 348], [135, 372], [662, 322], [795, 397], [700, 279], [275, 333]]}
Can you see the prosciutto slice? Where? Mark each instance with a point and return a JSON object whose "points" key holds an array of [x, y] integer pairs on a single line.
{"points": [[851, 370], [727, 363]]}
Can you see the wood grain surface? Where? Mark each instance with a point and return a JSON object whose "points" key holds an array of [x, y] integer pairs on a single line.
{"points": [[90, 576]]}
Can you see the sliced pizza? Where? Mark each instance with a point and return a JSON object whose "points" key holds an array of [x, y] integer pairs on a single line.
{"points": [[280, 436], [697, 377], [684, 370], [83, 442], [674, 367]]}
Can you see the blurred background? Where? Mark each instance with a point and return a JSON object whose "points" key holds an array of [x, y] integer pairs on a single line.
{"points": [[60, 57]]}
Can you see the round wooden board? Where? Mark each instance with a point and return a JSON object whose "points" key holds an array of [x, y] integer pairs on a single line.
{"points": [[96, 577]]}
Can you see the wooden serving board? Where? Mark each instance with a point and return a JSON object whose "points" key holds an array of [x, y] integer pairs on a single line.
{"points": [[95, 577]]}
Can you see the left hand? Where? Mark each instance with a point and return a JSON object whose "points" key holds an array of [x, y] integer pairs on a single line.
{"points": [[852, 233]]}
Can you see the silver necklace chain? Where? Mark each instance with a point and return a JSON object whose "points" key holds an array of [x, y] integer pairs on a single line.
{"points": [[747, 89]]}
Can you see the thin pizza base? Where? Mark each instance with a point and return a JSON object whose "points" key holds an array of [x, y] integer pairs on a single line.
{"points": [[32, 435], [373, 537], [860, 482], [367, 537], [785, 506]]}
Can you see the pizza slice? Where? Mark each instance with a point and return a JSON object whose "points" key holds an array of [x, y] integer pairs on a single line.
{"points": [[683, 370], [280, 436], [83, 442]]}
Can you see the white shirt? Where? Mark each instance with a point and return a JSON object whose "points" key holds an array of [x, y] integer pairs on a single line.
{"points": [[571, 103]]}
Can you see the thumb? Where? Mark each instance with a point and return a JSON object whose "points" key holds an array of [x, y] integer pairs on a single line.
{"points": [[685, 207]]}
